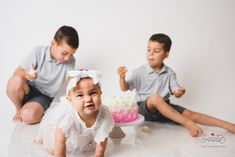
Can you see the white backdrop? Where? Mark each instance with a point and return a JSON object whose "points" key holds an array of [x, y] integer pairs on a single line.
{"points": [[114, 32]]}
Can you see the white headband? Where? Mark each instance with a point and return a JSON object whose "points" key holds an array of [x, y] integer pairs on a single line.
{"points": [[78, 74]]}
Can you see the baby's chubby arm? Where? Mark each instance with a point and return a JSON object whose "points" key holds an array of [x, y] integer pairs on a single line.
{"points": [[100, 148], [122, 82], [60, 143], [179, 92]]}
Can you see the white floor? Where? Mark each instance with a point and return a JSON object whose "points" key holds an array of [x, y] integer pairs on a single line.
{"points": [[163, 140]]}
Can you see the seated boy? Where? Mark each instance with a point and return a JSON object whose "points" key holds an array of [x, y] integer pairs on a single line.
{"points": [[37, 80], [155, 82]]}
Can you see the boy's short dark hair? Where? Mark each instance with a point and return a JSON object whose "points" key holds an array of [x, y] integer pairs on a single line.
{"points": [[67, 34], [163, 39]]}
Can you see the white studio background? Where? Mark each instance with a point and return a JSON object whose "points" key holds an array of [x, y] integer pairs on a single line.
{"points": [[115, 32]]}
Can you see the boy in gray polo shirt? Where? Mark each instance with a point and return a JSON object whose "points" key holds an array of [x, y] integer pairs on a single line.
{"points": [[37, 80], [155, 82]]}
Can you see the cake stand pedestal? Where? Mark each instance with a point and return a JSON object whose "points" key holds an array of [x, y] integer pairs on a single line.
{"points": [[117, 131]]}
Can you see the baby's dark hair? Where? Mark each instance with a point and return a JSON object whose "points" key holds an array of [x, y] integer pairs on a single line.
{"points": [[67, 34], [163, 39]]}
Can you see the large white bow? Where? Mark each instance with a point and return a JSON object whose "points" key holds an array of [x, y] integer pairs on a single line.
{"points": [[78, 74]]}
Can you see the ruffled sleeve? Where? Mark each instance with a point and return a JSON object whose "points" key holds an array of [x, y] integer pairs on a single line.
{"points": [[105, 125], [51, 117], [46, 131], [66, 124], [71, 129]]}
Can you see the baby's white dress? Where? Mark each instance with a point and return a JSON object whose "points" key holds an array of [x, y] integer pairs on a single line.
{"points": [[79, 138]]}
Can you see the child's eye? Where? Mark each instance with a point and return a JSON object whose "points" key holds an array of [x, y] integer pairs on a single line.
{"points": [[93, 93], [65, 54], [79, 95]]}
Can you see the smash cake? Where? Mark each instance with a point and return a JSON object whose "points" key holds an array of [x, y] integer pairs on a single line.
{"points": [[123, 109]]}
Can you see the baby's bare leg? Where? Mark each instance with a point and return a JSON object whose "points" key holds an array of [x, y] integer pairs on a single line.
{"points": [[16, 90], [208, 120], [156, 102]]}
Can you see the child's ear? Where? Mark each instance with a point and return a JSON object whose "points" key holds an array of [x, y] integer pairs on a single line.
{"points": [[54, 43], [166, 54]]}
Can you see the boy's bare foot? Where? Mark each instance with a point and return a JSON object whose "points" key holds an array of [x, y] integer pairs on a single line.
{"points": [[17, 118], [194, 130]]}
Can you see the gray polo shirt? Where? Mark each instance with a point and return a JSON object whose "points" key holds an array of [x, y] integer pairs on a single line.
{"points": [[51, 74], [147, 82]]}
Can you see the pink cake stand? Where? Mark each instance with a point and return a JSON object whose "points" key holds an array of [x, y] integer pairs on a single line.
{"points": [[117, 131]]}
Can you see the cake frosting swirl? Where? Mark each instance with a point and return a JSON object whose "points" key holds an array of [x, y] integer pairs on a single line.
{"points": [[123, 109]]}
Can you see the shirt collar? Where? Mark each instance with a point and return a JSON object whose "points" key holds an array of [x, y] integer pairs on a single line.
{"points": [[150, 70]]}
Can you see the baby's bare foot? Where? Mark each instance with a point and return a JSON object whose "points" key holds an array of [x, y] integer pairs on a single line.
{"points": [[17, 118], [193, 128]]}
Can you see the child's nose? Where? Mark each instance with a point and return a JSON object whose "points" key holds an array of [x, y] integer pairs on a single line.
{"points": [[87, 98], [151, 53]]}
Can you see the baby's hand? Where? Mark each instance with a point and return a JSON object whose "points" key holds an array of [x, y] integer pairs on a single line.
{"points": [[31, 73], [122, 71], [179, 92]]}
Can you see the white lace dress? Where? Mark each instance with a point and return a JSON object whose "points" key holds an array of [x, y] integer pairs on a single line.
{"points": [[79, 137]]}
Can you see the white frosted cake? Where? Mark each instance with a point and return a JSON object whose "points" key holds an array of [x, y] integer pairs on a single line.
{"points": [[123, 109]]}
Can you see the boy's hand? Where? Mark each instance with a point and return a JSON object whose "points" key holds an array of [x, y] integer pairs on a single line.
{"points": [[31, 74], [122, 82], [122, 71], [179, 92]]}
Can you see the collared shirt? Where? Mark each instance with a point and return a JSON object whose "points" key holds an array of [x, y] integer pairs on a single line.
{"points": [[147, 82], [51, 74]]}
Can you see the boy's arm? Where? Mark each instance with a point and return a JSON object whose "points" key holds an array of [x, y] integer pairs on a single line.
{"points": [[60, 146], [100, 148], [20, 72], [176, 89], [122, 82], [24, 74]]}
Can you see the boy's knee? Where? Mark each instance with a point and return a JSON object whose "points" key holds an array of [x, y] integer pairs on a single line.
{"points": [[30, 116], [14, 84], [155, 99]]}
